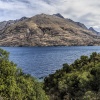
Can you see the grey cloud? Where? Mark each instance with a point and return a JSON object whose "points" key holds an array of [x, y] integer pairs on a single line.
{"points": [[84, 11]]}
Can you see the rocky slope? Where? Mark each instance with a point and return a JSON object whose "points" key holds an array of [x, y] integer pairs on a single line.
{"points": [[5, 24], [94, 31], [46, 30]]}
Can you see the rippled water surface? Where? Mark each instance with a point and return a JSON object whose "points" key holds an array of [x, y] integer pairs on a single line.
{"points": [[42, 61]]}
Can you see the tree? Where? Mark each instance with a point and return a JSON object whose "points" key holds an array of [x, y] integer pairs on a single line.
{"points": [[78, 81], [15, 85]]}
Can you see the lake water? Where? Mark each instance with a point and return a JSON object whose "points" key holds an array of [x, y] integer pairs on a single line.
{"points": [[42, 61]]}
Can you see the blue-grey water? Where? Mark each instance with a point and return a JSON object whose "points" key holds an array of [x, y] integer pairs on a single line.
{"points": [[42, 61]]}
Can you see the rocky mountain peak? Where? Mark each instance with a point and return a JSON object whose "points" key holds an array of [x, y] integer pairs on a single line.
{"points": [[58, 15], [93, 30], [23, 18]]}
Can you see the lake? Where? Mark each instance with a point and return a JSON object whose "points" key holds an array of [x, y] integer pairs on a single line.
{"points": [[42, 61]]}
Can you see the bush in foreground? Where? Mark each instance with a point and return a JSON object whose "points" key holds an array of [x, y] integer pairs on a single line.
{"points": [[78, 81], [15, 85]]}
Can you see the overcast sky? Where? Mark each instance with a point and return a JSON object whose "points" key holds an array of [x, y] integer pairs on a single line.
{"points": [[85, 11]]}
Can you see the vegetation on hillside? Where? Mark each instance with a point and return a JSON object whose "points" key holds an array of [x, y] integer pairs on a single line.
{"points": [[15, 85], [78, 81]]}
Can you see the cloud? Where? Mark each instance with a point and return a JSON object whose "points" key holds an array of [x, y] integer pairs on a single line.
{"points": [[12, 9], [85, 11]]}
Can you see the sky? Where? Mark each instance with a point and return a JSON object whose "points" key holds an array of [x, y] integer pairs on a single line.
{"points": [[84, 11]]}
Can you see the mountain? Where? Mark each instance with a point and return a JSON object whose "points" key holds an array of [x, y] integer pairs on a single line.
{"points": [[58, 15], [94, 31], [81, 25], [45, 30], [5, 24], [78, 23]]}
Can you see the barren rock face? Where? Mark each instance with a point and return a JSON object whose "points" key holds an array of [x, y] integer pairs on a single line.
{"points": [[46, 30]]}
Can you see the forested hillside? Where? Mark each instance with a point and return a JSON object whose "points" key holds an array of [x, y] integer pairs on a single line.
{"points": [[78, 81]]}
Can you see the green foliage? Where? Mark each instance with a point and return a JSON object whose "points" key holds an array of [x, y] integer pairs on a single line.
{"points": [[78, 81], [15, 85]]}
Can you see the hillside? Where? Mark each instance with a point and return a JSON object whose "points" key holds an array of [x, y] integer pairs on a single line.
{"points": [[46, 30], [78, 81]]}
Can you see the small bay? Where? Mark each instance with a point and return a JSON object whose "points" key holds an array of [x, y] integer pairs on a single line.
{"points": [[42, 61]]}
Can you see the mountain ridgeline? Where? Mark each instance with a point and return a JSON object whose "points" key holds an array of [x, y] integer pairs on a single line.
{"points": [[92, 29], [46, 30]]}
